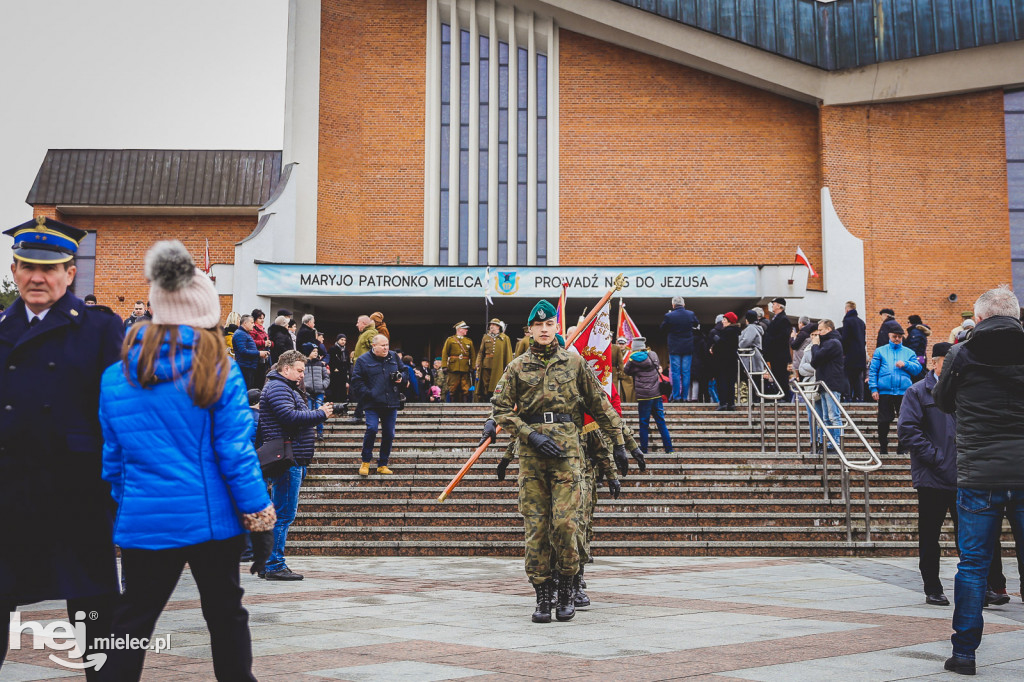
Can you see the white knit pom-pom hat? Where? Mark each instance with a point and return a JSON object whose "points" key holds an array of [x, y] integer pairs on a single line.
{"points": [[179, 292]]}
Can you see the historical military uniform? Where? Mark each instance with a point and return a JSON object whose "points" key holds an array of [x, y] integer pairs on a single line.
{"points": [[457, 357], [523, 344], [494, 354], [56, 509], [551, 389], [623, 382]]}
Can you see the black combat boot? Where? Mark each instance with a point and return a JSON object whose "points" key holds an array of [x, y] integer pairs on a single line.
{"points": [[565, 609], [545, 595], [579, 597]]}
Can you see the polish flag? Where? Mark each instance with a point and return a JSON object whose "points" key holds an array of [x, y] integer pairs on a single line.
{"points": [[801, 258], [207, 268]]}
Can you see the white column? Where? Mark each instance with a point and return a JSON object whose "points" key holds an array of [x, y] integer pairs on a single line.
{"points": [[552, 143], [474, 136], [513, 139], [531, 147], [453, 144], [432, 155], [492, 139]]}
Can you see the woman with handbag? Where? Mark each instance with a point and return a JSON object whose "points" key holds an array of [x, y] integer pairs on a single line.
{"points": [[178, 455], [643, 366]]}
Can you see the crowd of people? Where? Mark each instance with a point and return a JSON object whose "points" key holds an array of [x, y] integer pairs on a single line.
{"points": [[151, 419]]}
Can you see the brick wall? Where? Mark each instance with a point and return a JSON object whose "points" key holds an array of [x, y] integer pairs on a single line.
{"points": [[372, 109], [680, 166], [923, 183], [122, 242]]}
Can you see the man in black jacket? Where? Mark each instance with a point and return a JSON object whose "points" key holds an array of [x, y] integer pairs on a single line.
{"points": [[982, 381], [340, 365], [827, 360], [889, 325], [378, 377], [854, 351], [776, 345]]}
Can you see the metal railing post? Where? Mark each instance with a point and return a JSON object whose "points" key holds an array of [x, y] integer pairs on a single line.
{"points": [[846, 499], [796, 405], [867, 509]]}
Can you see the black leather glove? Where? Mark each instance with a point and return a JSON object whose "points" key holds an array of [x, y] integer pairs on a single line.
{"points": [[638, 455], [544, 444], [615, 488], [621, 461], [262, 546], [489, 432], [502, 465]]}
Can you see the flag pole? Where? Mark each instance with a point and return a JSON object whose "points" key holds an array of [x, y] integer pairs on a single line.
{"points": [[619, 282]]}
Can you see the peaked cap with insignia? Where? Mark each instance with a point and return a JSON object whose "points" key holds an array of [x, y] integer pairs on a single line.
{"points": [[44, 240]]}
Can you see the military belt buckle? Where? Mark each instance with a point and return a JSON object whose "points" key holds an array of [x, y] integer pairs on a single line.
{"points": [[549, 417]]}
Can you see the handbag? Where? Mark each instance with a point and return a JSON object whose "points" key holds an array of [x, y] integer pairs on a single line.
{"points": [[664, 385], [276, 456]]}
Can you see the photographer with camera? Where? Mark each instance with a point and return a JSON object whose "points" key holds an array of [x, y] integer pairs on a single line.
{"points": [[378, 380]]}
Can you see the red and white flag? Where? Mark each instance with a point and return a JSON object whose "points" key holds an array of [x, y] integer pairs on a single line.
{"points": [[801, 257], [560, 309], [627, 329], [207, 268], [594, 343]]}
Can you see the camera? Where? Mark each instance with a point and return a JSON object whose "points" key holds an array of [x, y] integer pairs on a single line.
{"points": [[339, 408], [396, 376]]}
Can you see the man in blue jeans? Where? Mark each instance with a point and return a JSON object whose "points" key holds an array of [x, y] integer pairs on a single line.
{"points": [[982, 382], [377, 379], [285, 413], [680, 324]]}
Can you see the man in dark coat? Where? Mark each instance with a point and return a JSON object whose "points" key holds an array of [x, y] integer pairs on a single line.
{"points": [[374, 386], [889, 325], [680, 324], [280, 339], [854, 351], [827, 360], [307, 332], [982, 382], [340, 365], [776, 345], [724, 346], [57, 511]]}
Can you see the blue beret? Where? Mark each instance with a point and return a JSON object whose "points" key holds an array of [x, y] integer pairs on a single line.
{"points": [[560, 339], [542, 311]]}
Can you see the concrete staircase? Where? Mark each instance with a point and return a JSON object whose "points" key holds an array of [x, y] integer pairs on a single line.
{"points": [[717, 494]]}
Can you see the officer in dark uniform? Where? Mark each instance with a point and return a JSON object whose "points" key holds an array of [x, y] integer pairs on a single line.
{"points": [[56, 509]]}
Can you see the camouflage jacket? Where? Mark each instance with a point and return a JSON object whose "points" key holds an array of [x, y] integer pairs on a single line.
{"points": [[561, 384]]}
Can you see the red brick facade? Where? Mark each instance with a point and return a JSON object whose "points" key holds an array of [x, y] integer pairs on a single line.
{"points": [[122, 242], [372, 122], [924, 185], [679, 166]]}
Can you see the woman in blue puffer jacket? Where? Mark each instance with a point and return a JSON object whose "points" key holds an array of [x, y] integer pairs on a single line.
{"points": [[182, 468]]}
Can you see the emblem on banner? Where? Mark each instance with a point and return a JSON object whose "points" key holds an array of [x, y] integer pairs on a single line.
{"points": [[507, 283]]}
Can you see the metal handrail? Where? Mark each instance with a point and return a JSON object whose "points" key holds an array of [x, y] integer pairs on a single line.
{"points": [[757, 386], [872, 462]]}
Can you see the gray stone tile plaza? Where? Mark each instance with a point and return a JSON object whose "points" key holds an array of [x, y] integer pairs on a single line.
{"points": [[658, 618]]}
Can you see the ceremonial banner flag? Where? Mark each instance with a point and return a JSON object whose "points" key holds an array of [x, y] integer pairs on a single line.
{"points": [[594, 343], [626, 329], [801, 257]]}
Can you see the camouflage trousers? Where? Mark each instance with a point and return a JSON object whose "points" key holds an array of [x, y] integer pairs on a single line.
{"points": [[585, 520], [550, 497]]}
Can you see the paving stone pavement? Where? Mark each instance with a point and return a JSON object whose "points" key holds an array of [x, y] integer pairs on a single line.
{"points": [[653, 618]]}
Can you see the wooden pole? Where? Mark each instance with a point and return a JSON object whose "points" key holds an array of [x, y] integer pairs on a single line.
{"points": [[619, 282]]}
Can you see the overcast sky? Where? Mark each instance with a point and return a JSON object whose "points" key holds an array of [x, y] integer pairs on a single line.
{"points": [[122, 74]]}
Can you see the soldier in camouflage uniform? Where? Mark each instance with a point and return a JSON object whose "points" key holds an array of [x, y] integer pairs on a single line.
{"points": [[551, 389]]}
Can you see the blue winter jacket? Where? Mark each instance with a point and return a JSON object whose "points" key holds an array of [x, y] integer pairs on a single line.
{"points": [[883, 374], [679, 323], [246, 353], [285, 413], [175, 483]]}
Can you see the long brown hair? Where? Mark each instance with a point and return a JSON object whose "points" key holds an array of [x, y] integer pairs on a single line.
{"points": [[209, 371]]}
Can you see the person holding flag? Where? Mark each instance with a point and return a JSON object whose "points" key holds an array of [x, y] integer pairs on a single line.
{"points": [[540, 400]]}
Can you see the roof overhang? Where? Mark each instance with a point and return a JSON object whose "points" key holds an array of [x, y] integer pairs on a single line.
{"points": [[72, 209]]}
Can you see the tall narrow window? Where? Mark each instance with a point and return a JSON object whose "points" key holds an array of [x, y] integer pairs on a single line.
{"points": [[478, 181], [85, 262], [446, 128], [1013, 104]]}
